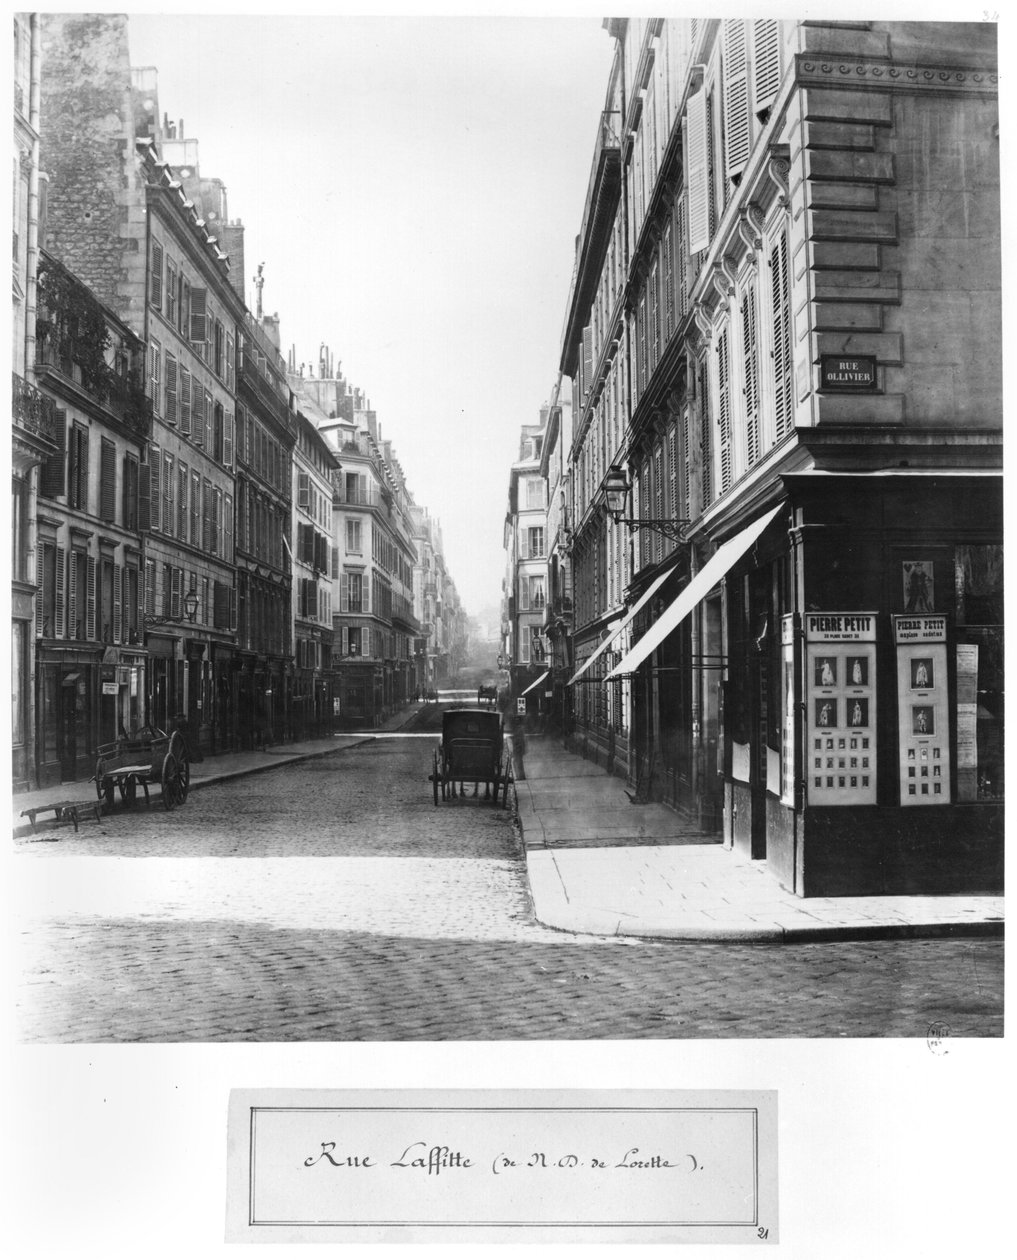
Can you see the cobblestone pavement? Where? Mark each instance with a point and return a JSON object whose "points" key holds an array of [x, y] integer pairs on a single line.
{"points": [[331, 900]]}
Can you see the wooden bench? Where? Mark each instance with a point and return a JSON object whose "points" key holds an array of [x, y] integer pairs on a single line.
{"points": [[65, 811]]}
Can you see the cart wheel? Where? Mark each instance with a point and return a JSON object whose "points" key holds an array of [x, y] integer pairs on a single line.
{"points": [[172, 788], [183, 761], [434, 777], [103, 786], [128, 789]]}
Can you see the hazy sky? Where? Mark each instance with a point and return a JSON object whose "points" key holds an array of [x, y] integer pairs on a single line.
{"points": [[414, 187]]}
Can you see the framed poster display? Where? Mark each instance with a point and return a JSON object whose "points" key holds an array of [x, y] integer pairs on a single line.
{"points": [[841, 708]]}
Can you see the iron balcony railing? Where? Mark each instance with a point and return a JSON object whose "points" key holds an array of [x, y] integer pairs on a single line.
{"points": [[32, 409]]}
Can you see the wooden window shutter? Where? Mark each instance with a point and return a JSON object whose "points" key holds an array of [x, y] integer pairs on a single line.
{"points": [[198, 321], [782, 363], [59, 604], [195, 509], [344, 593], [724, 453], [90, 631], [154, 487], [335, 562], [72, 595], [107, 480], [209, 424], [229, 429], [233, 609], [149, 597], [145, 498], [365, 641], [171, 390], [183, 481], [736, 98], [587, 357], [750, 357], [217, 539], [698, 173], [53, 478], [157, 272], [119, 635], [705, 436], [185, 401], [766, 64], [169, 518], [231, 360], [303, 489], [227, 528], [668, 257], [155, 375], [176, 591], [184, 313], [686, 462], [206, 515], [197, 413]]}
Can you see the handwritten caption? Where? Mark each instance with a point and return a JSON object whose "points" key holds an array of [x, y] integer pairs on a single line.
{"points": [[437, 1159]]}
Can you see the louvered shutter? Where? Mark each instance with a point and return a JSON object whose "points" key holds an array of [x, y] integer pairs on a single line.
{"points": [[782, 366], [145, 498], [230, 362], [59, 604], [227, 528], [209, 426], [705, 435], [736, 98], [149, 596], [157, 273], [524, 593], [176, 592], [73, 611], [587, 357], [183, 481], [119, 601], [90, 627], [155, 375], [766, 64], [107, 480], [698, 173], [217, 539], [724, 454], [229, 426], [233, 609], [303, 489], [171, 390], [154, 487], [206, 515], [169, 519], [667, 252], [335, 562], [750, 359], [365, 641], [344, 593], [53, 478], [198, 412], [686, 463], [198, 321], [40, 599], [185, 401]]}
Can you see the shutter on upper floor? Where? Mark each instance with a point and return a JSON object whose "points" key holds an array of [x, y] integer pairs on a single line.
{"points": [[154, 492], [587, 358], [59, 604], [781, 311], [198, 329], [750, 359], [171, 390], [107, 480], [698, 172], [724, 453], [766, 64], [53, 478], [157, 274], [119, 635], [736, 98]]}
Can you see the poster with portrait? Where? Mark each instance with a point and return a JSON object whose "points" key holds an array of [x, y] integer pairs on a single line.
{"points": [[919, 587]]}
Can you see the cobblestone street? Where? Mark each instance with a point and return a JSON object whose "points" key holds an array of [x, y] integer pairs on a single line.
{"points": [[330, 900]]}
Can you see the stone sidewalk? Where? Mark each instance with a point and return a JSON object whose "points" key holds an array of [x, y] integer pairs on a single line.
{"points": [[599, 864]]}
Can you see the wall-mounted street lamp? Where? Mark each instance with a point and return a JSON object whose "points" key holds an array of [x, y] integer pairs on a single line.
{"points": [[190, 612], [617, 488]]}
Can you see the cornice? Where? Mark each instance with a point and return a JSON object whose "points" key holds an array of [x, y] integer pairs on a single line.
{"points": [[871, 73]]}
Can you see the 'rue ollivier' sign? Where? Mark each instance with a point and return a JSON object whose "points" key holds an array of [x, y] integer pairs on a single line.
{"points": [[842, 371]]}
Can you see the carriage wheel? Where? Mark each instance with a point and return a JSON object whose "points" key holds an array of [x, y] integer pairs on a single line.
{"points": [[103, 785], [435, 777], [171, 782], [184, 764]]}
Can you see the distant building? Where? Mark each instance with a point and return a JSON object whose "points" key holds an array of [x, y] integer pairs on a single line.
{"points": [[524, 647]]}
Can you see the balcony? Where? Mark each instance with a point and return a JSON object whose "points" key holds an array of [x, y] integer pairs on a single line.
{"points": [[33, 410], [117, 392]]}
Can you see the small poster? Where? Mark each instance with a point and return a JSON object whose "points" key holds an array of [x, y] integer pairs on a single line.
{"points": [[919, 592]]}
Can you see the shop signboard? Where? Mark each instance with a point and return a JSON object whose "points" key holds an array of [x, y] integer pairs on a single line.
{"points": [[922, 709], [841, 708]]}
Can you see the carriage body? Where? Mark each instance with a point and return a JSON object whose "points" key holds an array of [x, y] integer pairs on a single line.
{"points": [[472, 750]]}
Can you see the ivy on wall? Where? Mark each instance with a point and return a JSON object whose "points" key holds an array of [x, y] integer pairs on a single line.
{"points": [[72, 324]]}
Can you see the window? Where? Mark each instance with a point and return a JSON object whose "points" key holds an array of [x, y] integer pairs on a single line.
{"points": [[535, 542], [155, 374], [537, 591], [172, 293], [351, 593], [106, 621], [219, 351], [170, 404], [354, 536], [534, 492], [53, 476]]}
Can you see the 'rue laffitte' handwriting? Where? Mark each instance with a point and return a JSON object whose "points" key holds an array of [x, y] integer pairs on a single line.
{"points": [[434, 1160]]}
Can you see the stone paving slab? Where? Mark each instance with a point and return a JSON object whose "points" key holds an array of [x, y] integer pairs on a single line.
{"points": [[592, 869]]}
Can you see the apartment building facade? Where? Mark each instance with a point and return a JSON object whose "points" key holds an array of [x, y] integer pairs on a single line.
{"points": [[810, 319], [524, 649]]}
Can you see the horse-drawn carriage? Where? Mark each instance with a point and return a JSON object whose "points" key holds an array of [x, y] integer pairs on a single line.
{"points": [[488, 692], [472, 750], [149, 756]]}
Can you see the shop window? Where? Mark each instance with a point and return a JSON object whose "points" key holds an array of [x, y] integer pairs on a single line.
{"points": [[978, 587]]}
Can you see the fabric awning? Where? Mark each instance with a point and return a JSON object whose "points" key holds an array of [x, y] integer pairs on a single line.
{"points": [[615, 630], [700, 586], [535, 684]]}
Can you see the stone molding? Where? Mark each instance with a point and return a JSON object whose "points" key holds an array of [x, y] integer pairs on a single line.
{"points": [[872, 73]]}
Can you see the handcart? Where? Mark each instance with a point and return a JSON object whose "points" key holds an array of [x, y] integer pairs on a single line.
{"points": [[149, 756]]}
